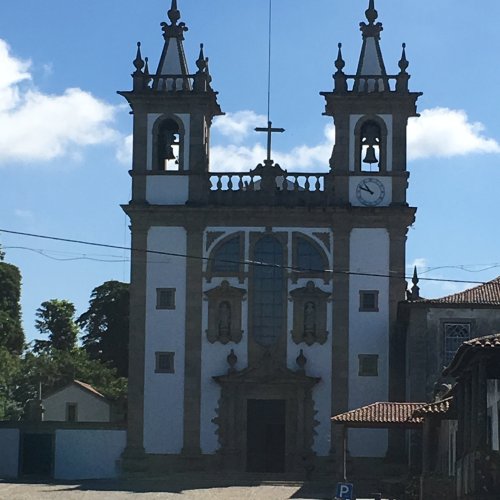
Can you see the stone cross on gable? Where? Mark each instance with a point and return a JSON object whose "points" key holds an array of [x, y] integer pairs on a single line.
{"points": [[269, 130]]}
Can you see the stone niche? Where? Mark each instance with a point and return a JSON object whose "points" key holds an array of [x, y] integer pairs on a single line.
{"points": [[309, 314], [224, 313]]}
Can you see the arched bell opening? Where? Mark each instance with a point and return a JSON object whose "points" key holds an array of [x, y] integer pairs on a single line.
{"points": [[371, 145], [168, 145]]}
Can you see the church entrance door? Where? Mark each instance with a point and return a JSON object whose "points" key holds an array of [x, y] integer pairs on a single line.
{"points": [[266, 435]]}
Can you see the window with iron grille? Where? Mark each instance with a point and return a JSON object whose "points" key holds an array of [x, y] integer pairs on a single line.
{"points": [[165, 298], [455, 334]]}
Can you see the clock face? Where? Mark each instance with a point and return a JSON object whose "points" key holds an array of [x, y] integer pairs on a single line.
{"points": [[370, 192]]}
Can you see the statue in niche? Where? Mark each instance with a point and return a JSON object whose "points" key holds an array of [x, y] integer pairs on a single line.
{"points": [[224, 322], [309, 321]]}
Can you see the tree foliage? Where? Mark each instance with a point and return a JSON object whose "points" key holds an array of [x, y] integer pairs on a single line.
{"points": [[11, 330], [106, 324], [57, 319]]}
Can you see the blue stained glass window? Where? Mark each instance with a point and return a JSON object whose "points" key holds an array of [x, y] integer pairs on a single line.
{"points": [[268, 292], [308, 257], [227, 256]]}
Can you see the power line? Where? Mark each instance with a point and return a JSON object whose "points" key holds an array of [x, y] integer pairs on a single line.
{"points": [[244, 262]]}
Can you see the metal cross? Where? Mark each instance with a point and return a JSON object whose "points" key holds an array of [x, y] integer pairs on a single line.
{"points": [[270, 130]]}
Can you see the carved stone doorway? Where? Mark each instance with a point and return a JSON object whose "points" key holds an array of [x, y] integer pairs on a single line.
{"points": [[266, 435]]}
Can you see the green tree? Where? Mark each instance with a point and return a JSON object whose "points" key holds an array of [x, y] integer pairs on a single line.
{"points": [[57, 319], [9, 371], [106, 324], [11, 330]]}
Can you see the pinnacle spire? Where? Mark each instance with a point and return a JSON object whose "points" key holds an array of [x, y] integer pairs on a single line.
{"points": [[173, 59], [403, 62], [371, 63], [415, 289]]}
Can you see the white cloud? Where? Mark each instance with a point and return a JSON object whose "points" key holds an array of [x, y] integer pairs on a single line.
{"points": [[238, 158], [444, 133], [41, 127], [420, 263], [237, 126], [124, 150]]}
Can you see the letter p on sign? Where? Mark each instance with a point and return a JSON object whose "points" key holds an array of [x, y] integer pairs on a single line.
{"points": [[344, 491]]}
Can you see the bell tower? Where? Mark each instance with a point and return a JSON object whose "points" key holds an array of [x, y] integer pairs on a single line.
{"points": [[370, 110], [173, 112]]}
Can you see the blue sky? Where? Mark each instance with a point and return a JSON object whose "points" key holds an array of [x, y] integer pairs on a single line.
{"points": [[64, 131]]}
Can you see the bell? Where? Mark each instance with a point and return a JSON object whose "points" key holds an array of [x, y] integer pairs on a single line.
{"points": [[370, 156], [169, 153]]}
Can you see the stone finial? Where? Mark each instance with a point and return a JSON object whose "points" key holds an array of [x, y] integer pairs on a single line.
{"points": [[403, 62], [174, 29], [174, 14], [340, 63], [371, 13], [138, 61], [201, 62], [415, 290], [301, 360]]}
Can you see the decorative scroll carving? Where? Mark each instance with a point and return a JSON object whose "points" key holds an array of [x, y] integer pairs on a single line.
{"points": [[212, 236], [224, 313], [309, 314], [324, 238]]}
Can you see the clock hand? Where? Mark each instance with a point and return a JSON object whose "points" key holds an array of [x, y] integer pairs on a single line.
{"points": [[364, 187]]}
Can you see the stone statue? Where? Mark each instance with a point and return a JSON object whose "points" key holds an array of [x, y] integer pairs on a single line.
{"points": [[310, 320], [224, 322]]}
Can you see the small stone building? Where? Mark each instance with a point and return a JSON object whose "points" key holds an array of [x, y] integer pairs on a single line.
{"points": [[77, 402]]}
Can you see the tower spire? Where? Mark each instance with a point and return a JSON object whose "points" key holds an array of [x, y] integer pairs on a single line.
{"points": [[371, 63], [173, 59]]}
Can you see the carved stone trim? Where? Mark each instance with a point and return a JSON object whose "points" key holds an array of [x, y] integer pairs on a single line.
{"points": [[224, 313], [309, 314], [325, 238], [268, 380], [211, 236]]}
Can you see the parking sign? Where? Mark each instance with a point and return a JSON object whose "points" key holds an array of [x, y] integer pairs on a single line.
{"points": [[344, 491]]}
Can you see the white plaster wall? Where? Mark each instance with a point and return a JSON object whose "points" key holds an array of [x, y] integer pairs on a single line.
{"points": [[9, 456], [368, 332], [88, 454], [353, 120], [165, 331], [186, 121], [167, 189], [90, 408]]}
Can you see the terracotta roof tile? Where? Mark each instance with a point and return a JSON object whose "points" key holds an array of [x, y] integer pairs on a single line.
{"points": [[487, 294], [486, 342], [381, 413], [437, 408], [88, 387]]}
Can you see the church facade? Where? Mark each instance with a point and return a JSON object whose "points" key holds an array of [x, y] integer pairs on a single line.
{"points": [[263, 303]]}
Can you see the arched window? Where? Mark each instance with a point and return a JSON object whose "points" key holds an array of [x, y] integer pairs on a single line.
{"points": [[371, 144], [268, 311], [308, 257], [168, 146], [226, 257], [371, 141]]}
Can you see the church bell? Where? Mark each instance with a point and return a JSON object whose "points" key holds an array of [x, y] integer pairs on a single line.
{"points": [[370, 156]]}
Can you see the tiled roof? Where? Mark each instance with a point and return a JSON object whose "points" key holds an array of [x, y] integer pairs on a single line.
{"points": [[468, 349], [486, 342], [381, 414], [486, 294], [88, 387], [437, 408]]}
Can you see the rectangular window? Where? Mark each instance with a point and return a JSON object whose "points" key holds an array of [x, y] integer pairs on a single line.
{"points": [[368, 300], [368, 365], [165, 298], [455, 334], [165, 362], [71, 412]]}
